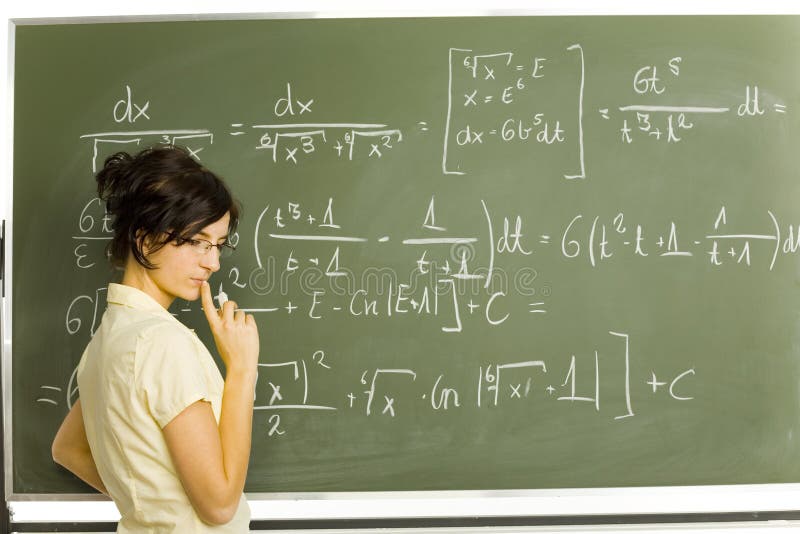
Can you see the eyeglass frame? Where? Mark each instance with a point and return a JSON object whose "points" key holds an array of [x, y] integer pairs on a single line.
{"points": [[224, 249]]}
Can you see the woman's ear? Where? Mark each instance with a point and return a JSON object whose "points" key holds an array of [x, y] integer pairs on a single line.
{"points": [[144, 242]]}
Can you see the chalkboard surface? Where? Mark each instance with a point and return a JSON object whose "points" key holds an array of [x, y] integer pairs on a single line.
{"points": [[483, 253]]}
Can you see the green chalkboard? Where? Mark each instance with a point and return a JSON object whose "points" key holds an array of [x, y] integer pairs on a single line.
{"points": [[483, 253]]}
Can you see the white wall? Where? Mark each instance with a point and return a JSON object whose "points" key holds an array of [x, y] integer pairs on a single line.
{"points": [[44, 511]]}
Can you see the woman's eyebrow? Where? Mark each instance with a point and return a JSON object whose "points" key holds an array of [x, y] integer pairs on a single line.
{"points": [[205, 235]]}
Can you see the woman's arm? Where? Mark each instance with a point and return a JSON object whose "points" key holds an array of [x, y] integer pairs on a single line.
{"points": [[211, 459], [71, 449]]}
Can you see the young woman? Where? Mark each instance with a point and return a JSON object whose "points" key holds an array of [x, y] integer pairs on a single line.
{"points": [[156, 427]]}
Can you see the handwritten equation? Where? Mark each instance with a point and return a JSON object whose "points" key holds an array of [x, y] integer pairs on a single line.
{"points": [[504, 98], [285, 386], [494, 98], [436, 284], [288, 141]]}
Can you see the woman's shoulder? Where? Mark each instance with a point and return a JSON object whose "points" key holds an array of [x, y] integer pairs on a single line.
{"points": [[165, 346], [165, 334]]}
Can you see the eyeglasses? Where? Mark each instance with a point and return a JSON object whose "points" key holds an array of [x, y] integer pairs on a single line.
{"points": [[202, 247]]}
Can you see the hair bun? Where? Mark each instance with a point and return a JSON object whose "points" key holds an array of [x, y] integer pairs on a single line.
{"points": [[111, 183]]}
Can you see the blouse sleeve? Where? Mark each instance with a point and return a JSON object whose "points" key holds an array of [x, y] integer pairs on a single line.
{"points": [[169, 373]]}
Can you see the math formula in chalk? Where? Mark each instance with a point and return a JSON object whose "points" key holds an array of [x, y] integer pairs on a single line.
{"points": [[507, 98], [530, 103], [289, 136], [455, 274]]}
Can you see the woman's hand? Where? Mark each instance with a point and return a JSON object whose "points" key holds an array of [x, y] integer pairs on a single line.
{"points": [[235, 333]]}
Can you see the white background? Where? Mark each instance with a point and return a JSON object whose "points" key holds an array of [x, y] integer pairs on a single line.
{"points": [[589, 502]]}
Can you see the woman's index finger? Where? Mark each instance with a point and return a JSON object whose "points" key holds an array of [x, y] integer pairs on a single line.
{"points": [[208, 304]]}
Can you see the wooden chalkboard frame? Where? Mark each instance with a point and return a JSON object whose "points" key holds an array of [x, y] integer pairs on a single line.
{"points": [[760, 501]]}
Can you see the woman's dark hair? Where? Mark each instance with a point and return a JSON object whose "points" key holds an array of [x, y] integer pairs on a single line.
{"points": [[158, 196]]}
